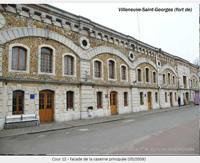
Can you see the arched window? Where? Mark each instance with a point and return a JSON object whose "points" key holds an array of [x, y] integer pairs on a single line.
{"points": [[68, 65], [169, 80], [123, 71], [163, 78], [19, 57], [99, 100], [111, 69], [141, 98], [147, 74], [154, 77], [70, 100], [46, 60], [139, 74], [18, 102], [97, 69], [173, 80]]}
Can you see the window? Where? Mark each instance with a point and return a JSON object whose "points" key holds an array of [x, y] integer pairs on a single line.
{"points": [[163, 78], [19, 58], [125, 98], [68, 65], [123, 71], [97, 69], [165, 96], [154, 77], [147, 74], [156, 96], [18, 102], [193, 82], [175, 97], [139, 74], [46, 60], [70, 100], [111, 69], [168, 78], [99, 99], [173, 80], [141, 98], [184, 81]]}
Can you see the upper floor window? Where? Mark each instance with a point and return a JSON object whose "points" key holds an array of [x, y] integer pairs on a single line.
{"points": [[125, 98], [163, 78], [68, 65], [154, 77], [97, 69], [46, 60], [111, 69], [123, 72], [99, 99], [19, 58], [184, 81], [18, 102], [19, 55], [169, 79], [147, 75], [139, 75], [173, 78]]}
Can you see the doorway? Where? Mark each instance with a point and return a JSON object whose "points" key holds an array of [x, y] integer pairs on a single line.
{"points": [[149, 100], [46, 106], [113, 103]]}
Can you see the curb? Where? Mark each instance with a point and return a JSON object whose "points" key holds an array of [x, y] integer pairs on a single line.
{"points": [[105, 121]]}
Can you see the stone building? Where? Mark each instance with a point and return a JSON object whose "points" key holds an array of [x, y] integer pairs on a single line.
{"points": [[56, 65]]}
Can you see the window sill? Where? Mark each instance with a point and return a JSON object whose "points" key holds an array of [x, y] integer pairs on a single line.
{"points": [[49, 74], [69, 76], [19, 71], [98, 78], [112, 79]]}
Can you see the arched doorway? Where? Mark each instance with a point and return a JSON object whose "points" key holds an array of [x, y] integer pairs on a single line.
{"points": [[113, 103], [46, 105], [149, 100]]}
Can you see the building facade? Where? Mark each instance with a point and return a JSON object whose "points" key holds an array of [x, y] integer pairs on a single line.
{"points": [[58, 66]]}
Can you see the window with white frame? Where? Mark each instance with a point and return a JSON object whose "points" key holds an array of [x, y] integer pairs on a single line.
{"points": [[165, 96], [123, 73], [173, 78], [97, 69], [141, 98], [156, 97], [147, 75], [46, 64], [111, 70], [19, 55], [169, 78], [99, 100], [69, 65], [139, 75], [163, 78], [125, 98], [154, 77]]}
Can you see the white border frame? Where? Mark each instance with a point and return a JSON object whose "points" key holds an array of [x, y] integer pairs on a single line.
{"points": [[121, 73], [141, 75], [169, 79], [115, 75], [53, 62], [63, 65], [102, 73], [149, 75], [27, 58], [155, 77]]}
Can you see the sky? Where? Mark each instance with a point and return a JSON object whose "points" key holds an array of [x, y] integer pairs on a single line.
{"points": [[174, 32]]}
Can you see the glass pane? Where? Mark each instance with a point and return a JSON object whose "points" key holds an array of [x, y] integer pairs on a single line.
{"points": [[42, 63], [22, 59], [14, 58], [46, 50]]}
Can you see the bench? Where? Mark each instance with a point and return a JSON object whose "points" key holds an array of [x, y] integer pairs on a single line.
{"points": [[20, 119]]}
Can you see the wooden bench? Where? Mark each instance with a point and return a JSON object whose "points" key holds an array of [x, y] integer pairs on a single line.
{"points": [[20, 119]]}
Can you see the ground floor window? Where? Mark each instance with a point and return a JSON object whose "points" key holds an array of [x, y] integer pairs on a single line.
{"points": [[141, 98], [165, 96], [125, 98], [175, 97], [156, 97], [99, 99], [70, 100], [18, 102]]}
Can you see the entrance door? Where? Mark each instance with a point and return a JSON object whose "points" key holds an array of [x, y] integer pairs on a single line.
{"points": [[149, 100], [46, 104], [170, 98], [113, 103]]}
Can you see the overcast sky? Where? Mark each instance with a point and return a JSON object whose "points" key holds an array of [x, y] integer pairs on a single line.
{"points": [[175, 32]]}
